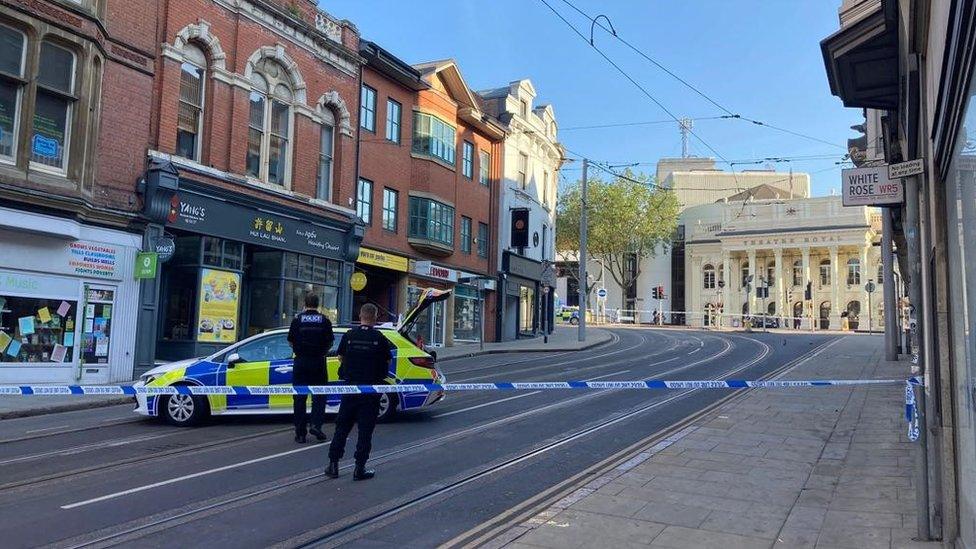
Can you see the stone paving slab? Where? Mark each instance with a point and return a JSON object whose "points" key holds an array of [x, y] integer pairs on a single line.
{"points": [[821, 468]]}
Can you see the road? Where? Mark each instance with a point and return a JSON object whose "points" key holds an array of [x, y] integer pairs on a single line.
{"points": [[99, 478]]}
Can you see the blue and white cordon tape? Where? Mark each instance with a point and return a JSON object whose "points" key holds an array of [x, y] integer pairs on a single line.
{"points": [[911, 413]]}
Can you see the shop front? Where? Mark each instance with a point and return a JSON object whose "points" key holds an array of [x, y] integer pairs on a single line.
{"points": [[383, 283], [521, 297], [68, 300], [435, 326], [241, 268]]}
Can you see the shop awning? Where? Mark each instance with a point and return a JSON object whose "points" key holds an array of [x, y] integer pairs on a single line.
{"points": [[58, 227], [862, 59]]}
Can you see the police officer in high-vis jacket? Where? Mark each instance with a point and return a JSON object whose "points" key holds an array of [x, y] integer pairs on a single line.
{"points": [[364, 359], [311, 338]]}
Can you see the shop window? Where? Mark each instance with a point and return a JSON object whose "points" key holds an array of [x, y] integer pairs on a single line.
{"points": [[294, 298], [265, 307], [526, 309], [53, 106], [433, 137], [218, 252], [13, 48], [37, 330], [323, 184], [97, 327], [467, 314], [181, 304], [189, 123], [269, 124]]}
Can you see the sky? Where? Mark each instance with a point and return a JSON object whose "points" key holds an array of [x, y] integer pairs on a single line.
{"points": [[759, 59]]}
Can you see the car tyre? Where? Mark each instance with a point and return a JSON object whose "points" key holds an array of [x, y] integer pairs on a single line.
{"points": [[573, 321], [184, 410], [388, 407]]}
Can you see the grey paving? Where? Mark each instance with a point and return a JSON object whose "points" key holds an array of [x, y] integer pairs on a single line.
{"points": [[817, 468]]}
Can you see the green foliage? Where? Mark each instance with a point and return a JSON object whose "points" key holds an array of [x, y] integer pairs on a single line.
{"points": [[627, 216]]}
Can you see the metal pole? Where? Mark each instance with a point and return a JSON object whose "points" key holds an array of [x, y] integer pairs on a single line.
{"points": [[870, 323], [888, 289], [582, 256], [481, 340]]}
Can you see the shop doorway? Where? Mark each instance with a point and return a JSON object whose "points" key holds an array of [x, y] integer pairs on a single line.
{"points": [[854, 314], [380, 290], [511, 318], [825, 315], [429, 327]]}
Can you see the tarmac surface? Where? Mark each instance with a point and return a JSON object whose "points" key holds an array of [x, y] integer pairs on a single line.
{"points": [[104, 477]]}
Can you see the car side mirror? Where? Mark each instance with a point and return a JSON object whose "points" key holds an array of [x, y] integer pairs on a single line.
{"points": [[234, 359]]}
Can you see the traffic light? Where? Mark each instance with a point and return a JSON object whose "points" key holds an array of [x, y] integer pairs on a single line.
{"points": [[655, 292], [520, 228]]}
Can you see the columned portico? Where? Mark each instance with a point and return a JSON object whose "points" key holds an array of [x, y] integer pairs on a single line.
{"points": [[835, 282], [779, 284], [754, 271]]}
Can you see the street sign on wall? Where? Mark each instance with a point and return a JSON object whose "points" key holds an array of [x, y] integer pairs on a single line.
{"points": [[906, 169], [870, 187]]}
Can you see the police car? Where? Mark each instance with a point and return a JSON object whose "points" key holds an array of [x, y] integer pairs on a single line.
{"points": [[267, 359]]}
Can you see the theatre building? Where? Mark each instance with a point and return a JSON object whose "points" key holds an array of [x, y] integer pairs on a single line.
{"points": [[69, 224], [427, 194], [250, 175]]}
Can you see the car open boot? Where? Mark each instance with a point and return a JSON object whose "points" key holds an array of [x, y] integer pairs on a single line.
{"points": [[332, 469]]}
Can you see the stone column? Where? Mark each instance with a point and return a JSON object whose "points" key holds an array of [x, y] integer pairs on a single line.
{"points": [[866, 274], [727, 290], [694, 292], [780, 285], [808, 321], [835, 286], [754, 271]]}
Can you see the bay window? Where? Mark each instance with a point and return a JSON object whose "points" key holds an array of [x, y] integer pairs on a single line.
{"points": [[433, 137], [431, 220]]}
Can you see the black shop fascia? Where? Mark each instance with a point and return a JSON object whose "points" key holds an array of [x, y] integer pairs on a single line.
{"points": [[520, 295], [243, 265]]}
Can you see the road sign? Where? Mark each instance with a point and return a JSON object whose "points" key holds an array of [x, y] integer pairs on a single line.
{"points": [[721, 283], [601, 293], [870, 287], [906, 169], [870, 187]]}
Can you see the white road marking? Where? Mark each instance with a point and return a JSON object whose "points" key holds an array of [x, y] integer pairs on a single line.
{"points": [[187, 477], [492, 403], [45, 429]]}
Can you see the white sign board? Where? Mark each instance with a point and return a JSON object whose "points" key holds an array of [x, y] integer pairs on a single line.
{"points": [[870, 187], [906, 169]]}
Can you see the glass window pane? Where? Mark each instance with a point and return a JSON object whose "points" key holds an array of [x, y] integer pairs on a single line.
{"points": [[257, 111], [254, 153], [11, 51], [233, 254], [259, 83], [191, 84], [332, 273], [319, 268], [278, 151], [56, 68], [38, 346], [50, 129], [291, 265], [323, 187], [9, 106], [211, 251], [305, 267], [265, 306], [266, 264], [279, 119]]}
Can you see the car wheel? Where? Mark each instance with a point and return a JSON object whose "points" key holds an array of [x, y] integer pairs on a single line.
{"points": [[184, 410], [388, 407], [573, 321]]}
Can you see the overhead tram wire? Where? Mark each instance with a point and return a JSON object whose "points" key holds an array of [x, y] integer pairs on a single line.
{"points": [[647, 123], [633, 81], [669, 72]]}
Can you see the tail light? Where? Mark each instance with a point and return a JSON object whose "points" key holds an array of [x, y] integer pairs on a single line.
{"points": [[422, 361]]}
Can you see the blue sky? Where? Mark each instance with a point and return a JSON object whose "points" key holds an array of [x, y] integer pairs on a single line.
{"points": [[759, 59]]}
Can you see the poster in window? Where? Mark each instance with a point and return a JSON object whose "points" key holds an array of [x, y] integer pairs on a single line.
{"points": [[219, 300]]}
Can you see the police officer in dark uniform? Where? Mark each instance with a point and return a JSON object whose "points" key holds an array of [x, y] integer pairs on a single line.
{"points": [[364, 359], [311, 338]]}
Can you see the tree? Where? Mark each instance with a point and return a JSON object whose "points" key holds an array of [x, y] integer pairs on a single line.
{"points": [[630, 219]]}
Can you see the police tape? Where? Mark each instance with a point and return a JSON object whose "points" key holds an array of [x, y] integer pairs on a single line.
{"points": [[911, 411]]}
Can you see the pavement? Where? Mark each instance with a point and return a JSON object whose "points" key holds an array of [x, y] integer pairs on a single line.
{"points": [[105, 477], [812, 467]]}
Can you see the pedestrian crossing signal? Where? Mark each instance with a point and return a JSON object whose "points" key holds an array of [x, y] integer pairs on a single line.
{"points": [[657, 292]]}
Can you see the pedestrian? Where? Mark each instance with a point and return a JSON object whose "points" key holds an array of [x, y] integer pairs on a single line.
{"points": [[364, 359], [311, 337]]}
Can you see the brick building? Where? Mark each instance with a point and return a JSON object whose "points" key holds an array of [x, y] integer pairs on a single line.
{"points": [[252, 170], [427, 192], [76, 82]]}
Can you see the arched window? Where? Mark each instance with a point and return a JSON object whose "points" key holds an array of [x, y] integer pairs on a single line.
{"points": [[323, 186], [771, 274], [853, 272], [825, 273], [798, 273], [745, 274], [771, 308], [708, 277], [269, 124], [189, 120]]}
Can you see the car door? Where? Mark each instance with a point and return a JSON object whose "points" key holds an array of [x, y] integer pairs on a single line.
{"points": [[266, 360]]}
